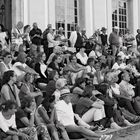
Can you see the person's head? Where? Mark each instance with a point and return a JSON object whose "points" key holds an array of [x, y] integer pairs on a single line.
{"points": [[88, 91], [116, 29], [20, 25], [126, 76], [131, 61], [98, 48], [119, 60], [53, 75], [97, 66], [103, 30], [28, 77], [35, 26], [103, 88], [7, 57], [80, 82], [77, 28], [26, 102], [138, 31], [41, 57], [82, 49], [27, 28], [57, 50], [22, 48], [60, 30], [8, 76], [33, 47], [57, 59], [97, 31], [109, 77], [66, 95], [40, 48], [9, 107], [120, 34], [91, 61], [1, 28], [49, 26], [83, 31], [60, 83], [51, 30], [22, 57], [127, 30], [73, 58], [48, 103]]}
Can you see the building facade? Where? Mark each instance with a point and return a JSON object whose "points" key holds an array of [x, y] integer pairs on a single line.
{"points": [[89, 14]]}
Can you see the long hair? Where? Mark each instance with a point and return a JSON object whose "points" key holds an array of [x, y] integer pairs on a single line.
{"points": [[6, 76]]}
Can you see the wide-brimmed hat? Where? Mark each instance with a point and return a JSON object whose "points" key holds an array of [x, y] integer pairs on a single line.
{"points": [[65, 92]]}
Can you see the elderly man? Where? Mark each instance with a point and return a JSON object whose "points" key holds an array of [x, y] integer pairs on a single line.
{"points": [[114, 40], [66, 117]]}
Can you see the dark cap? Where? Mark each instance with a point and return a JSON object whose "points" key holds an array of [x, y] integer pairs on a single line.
{"points": [[103, 29]]}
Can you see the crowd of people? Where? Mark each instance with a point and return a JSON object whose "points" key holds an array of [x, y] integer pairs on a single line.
{"points": [[53, 87]]}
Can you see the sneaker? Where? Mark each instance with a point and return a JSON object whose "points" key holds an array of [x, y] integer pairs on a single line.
{"points": [[106, 137], [115, 126], [101, 129], [94, 128]]}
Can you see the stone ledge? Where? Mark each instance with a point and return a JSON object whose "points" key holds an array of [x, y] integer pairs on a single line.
{"points": [[123, 130]]}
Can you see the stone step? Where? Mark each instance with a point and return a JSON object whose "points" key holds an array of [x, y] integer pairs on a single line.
{"points": [[123, 130]]}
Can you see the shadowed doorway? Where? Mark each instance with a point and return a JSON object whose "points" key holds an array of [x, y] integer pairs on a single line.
{"points": [[6, 13]]}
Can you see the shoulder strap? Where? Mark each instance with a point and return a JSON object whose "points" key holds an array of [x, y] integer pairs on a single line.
{"points": [[12, 91]]}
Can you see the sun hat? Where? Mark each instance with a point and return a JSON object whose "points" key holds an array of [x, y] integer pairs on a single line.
{"points": [[60, 83], [65, 92]]}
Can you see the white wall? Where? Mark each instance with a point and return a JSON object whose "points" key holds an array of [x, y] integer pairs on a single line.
{"points": [[99, 13], [36, 11]]}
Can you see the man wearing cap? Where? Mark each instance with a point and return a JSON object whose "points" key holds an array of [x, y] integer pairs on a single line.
{"points": [[114, 40]]}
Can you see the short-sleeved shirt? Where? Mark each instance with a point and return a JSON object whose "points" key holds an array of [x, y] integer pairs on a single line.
{"points": [[6, 124], [83, 105], [19, 115], [90, 69]]}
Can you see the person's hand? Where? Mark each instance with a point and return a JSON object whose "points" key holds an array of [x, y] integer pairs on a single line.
{"points": [[24, 136]]}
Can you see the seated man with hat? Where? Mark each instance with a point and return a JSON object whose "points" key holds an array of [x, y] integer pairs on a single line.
{"points": [[66, 116]]}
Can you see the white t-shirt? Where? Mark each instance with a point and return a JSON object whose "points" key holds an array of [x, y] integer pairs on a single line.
{"points": [[18, 71], [65, 113], [2, 38], [43, 68], [121, 66], [81, 58], [116, 89], [6, 124], [90, 69]]}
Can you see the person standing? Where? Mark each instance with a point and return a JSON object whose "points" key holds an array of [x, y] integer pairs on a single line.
{"points": [[114, 40], [76, 39], [35, 34], [129, 38], [138, 37]]}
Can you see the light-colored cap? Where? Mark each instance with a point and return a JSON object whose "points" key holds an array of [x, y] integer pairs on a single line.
{"points": [[116, 27]]}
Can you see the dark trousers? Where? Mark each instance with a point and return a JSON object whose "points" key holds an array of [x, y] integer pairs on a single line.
{"points": [[127, 104]]}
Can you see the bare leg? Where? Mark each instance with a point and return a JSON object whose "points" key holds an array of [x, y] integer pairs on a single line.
{"points": [[82, 130], [53, 131]]}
